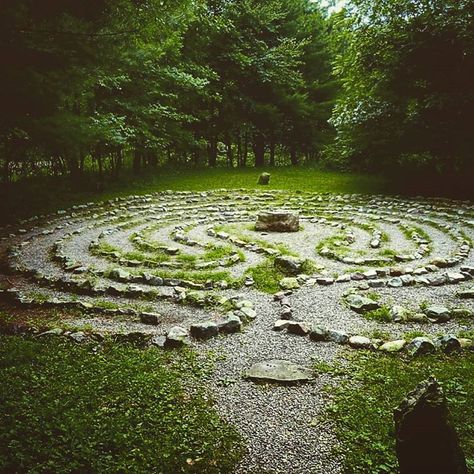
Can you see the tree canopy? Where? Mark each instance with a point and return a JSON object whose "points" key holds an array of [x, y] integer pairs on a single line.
{"points": [[106, 84]]}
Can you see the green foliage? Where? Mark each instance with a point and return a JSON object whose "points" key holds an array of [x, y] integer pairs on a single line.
{"points": [[69, 408], [372, 385], [266, 276], [406, 101], [381, 314]]}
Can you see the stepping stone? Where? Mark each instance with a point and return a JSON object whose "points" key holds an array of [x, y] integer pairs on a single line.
{"points": [[289, 283], [231, 325], [279, 371]]}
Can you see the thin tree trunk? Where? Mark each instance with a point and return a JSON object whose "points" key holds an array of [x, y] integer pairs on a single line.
{"points": [[259, 150], [293, 156], [212, 152], [272, 153]]}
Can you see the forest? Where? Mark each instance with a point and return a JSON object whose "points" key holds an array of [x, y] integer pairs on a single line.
{"points": [[121, 86]]}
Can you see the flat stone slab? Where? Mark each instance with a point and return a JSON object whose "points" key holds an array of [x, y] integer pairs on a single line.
{"points": [[280, 371]]}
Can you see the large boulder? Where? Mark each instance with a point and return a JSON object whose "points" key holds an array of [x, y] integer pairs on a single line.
{"points": [[277, 222], [426, 442]]}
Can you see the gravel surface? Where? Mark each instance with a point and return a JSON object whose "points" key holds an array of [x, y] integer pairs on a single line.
{"points": [[283, 426]]}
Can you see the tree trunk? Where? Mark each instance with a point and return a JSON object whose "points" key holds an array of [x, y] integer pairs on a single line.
{"points": [[230, 155], [259, 150], [272, 153], [245, 151], [212, 152], [137, 161], [293, 156]]}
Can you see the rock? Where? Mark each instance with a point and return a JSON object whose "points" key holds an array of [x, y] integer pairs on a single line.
{"points": [[120, 275], [438, 314], [289, 265], [395, 282], [361, 304], [286, 313], [204, 330], [51, 332], [399, 313], [249, 314], [289, 283], [150, 318], [176, 337], [393, 346], [158, 341], [264, 179], [230, 325], [300, 328], [281, 324], [78, 336], [448, 344], [325, 281], [360, 342], [339, 337], [426, 442], [466, 344], [277, 222], [280, 371], [420, 346], [318, 333], [466, 294]]}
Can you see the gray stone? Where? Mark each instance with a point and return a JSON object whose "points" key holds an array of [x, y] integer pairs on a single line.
{"points": [[420, 346], [438, 314], [280, 371], [399, 313], [264, 179], [281, 324], [339, 337], [393, 346], [395, 282], [289, 265], [361, 304], [204, 330], [467, 294], [300, 328], [360, 342], [426, 442], [150, 318], [230, 325], [448, 344], [78, 336], [277, 222], [318, 333], [176, 337]]}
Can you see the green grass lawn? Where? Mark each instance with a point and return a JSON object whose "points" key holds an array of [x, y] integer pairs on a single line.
{"points": [[66, 408], [48, 194], [371, 385]]}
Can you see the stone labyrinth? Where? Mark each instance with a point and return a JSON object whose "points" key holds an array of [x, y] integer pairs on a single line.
{"points": [[177, 261], [172, 268]]}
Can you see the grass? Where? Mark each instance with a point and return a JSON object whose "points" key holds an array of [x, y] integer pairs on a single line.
{"points": [[381, 315], [266, 276], [372, 385], [45, 194], [66, 408]]}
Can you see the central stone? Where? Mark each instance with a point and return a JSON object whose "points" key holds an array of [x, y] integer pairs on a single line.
{"points": [[278, 221], [281, 371]]}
